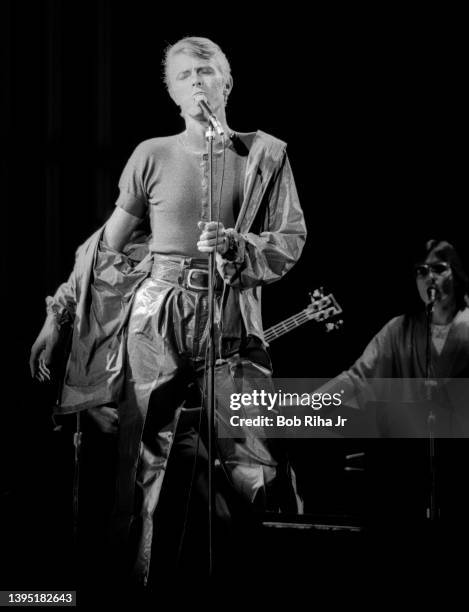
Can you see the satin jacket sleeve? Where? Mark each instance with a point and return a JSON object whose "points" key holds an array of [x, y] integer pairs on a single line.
{"points": [[270, 232]]}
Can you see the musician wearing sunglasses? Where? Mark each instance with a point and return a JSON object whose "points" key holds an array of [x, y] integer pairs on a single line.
{"points": [[398, 351], [386, 391], [438, 284]]}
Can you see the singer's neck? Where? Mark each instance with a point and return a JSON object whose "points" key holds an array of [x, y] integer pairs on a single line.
{"points": [[196, 130], [443, 313]]}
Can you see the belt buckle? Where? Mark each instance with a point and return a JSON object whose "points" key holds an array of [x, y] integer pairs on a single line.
{"points": [[190, 284]]}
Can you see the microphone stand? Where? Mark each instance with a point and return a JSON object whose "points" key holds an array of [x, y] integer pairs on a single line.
{"points": [[432, 511], [210, 366]]}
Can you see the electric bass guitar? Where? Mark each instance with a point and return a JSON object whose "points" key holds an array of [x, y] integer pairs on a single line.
{"points": [[323, 308]]}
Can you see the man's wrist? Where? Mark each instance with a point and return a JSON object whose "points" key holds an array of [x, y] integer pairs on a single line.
{"points": [[57, 315]]}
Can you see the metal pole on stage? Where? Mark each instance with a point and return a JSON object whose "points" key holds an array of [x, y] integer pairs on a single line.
{"points": [[213, 124], [432, 510], [210, 365]]}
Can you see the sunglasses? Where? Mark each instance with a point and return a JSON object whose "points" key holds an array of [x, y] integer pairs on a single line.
{"points": [[440, 267]]}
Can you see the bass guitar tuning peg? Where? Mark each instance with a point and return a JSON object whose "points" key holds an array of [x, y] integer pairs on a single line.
{"points": [[333, 325], [317, 293]]}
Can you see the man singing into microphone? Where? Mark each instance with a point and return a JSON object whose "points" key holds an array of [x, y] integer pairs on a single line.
{"points": [[389, 374], [399, 349], [140, 342]]}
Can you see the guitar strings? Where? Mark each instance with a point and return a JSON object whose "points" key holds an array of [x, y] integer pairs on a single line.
{"points": [[294, 321]]}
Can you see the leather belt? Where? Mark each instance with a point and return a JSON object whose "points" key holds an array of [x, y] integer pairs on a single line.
{"points": [[190, 278]]}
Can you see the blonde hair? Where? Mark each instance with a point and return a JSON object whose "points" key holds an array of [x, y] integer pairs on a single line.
{"points": [[202, 48]]}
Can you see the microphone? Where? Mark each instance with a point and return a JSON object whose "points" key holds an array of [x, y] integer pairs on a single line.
{"points": [[204, 105], [431, 293]]}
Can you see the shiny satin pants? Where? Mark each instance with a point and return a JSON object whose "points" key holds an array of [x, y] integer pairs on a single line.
{"points": [[166, 350]]}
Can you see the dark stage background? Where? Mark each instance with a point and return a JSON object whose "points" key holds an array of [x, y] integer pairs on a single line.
{"points": [[372, 109]]}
